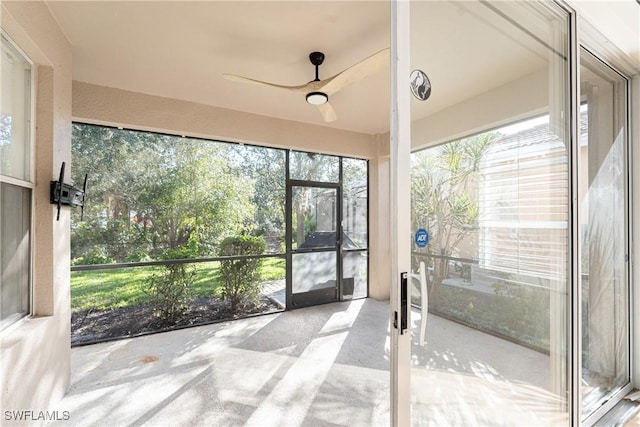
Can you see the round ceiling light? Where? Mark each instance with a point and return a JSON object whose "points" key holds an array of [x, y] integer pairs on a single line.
{"points": [[317, 98]]}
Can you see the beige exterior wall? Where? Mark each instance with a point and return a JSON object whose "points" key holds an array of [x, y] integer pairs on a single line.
{"points": [[35, 353]]}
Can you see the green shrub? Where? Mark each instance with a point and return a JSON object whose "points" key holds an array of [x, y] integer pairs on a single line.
{"points": [[137, 255], [169, 291], [241, 277], [514, 311], [97, 255]]}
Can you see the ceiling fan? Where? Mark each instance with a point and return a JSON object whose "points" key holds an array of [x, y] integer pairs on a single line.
{"points": [[318, 91]]}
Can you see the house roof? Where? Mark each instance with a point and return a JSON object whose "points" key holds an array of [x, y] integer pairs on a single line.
{"points": [[535, 139]]}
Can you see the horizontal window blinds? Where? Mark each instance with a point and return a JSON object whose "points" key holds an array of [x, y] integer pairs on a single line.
{"points": [[523, 207]]}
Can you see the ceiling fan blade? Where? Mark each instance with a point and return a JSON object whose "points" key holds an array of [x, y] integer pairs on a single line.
{"points": [[328, 113], [240, 79], [366, 67]]}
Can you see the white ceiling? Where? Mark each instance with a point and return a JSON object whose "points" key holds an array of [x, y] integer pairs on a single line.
{"points": [[180, 49]]}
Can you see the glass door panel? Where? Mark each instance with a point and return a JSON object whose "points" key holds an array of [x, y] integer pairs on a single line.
{"points": [[490, 188], [355, 228], [603, 190], [313, 271], [313, 268]]}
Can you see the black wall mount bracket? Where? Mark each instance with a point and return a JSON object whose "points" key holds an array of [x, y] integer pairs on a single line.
{"points": [[62, 194]]}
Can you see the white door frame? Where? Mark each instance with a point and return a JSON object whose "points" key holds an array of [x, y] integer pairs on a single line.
{"points": [[400, 205]]}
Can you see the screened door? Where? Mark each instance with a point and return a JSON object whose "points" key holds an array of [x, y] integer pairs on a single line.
{"points": [[327, 229], [314, 245]]}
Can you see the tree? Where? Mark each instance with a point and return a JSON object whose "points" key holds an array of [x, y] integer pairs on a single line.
{"points": [[193, 199], [111, 158], [151, 193], [444, 188], [265, 167]]}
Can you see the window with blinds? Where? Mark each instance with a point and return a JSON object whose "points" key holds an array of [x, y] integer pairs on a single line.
{"points": [[523, 205]]}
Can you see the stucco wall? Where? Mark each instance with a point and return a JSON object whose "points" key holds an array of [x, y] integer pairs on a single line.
{"points": [[35, 353], [380, 221]]}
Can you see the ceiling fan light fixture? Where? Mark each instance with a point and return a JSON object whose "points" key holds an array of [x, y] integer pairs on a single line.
{"points": [[317, 98], [317, 91]]}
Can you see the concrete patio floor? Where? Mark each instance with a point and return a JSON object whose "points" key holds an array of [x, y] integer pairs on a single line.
{"points": [[324, 365], [319, 366]]}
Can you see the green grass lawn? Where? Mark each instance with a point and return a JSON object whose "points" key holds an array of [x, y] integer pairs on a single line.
{"points": [[122, 287]]}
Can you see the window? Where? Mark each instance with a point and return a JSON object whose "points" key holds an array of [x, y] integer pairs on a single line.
{"points": [[16, 186]]}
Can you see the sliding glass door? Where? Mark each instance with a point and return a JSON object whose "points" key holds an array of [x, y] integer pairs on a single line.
{"points": [[603, 188], [491, 220], [513, 261]]}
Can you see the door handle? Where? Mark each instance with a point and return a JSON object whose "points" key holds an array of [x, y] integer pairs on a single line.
{"points": [[404, 288]]}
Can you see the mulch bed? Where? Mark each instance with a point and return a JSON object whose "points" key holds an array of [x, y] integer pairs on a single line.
{"points": [[91, 326]]}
